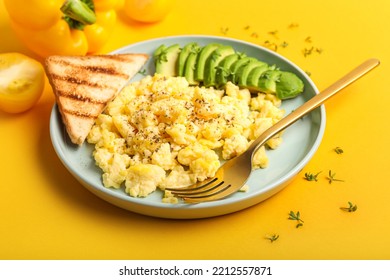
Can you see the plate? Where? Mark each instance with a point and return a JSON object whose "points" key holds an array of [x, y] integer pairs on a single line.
{"points": [[300, 142]]}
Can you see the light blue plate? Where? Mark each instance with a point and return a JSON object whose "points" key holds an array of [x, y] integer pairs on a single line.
{"points": [[300, 142]]}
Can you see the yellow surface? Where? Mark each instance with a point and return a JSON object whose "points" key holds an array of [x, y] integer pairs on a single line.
{"points": [[46, 214]]}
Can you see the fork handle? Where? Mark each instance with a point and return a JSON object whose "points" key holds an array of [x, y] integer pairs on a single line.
{"points": [[313, 103]]}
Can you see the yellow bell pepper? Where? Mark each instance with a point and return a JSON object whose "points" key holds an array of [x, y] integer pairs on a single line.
{"points": [[62, 27]]}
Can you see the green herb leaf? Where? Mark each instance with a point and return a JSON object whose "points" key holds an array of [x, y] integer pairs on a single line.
{"points": [[296, 217], [273, 33], [311, 177], [331, 177], [308, 39], [142, 72], [293, 25], [224, 30], [284, 44], [338, 150], [272, 237], [351, 207]]}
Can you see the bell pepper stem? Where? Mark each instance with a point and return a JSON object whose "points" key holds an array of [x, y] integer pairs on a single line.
{"points": [[79, 11]]}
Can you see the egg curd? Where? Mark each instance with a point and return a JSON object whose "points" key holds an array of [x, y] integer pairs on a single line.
{"points": [[160, 132]]}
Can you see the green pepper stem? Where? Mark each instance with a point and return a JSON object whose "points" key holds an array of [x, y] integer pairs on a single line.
{"points": [[79, 11]]}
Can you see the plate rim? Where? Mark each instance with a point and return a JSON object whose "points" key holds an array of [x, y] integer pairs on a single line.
{"points": [[191, 211]]}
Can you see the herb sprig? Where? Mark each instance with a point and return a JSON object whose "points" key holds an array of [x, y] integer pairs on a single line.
{"points": [[331, 177], [272, 237], [311, 177], [296, 217], [351, 207]]}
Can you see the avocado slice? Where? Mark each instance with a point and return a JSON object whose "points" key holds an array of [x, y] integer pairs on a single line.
{"points": [[185, 52], [212, 62], [189, 68], [243, 72], [159, 55], [288, 85], [268, 80], [252, 81], [165, 59], [237, 65], [202, 58], [223, 69]]}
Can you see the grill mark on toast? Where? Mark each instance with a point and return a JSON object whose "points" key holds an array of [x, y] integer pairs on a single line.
{"points": [[105, 69], [78, 97], [79, 114], [78, 81]]}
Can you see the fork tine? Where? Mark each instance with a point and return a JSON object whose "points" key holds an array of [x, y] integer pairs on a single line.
{"points": [[200, 187], [212, 196], [205, 192], [196, 188]]}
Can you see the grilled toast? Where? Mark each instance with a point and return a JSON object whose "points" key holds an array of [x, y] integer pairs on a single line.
{"points": [[83, 86]]}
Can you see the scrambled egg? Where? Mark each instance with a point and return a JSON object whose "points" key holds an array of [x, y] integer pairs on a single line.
{"points": [[161, 132]]}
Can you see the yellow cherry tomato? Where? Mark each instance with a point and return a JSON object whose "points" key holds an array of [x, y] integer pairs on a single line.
{"points": [[22, 80], [148, 10]]}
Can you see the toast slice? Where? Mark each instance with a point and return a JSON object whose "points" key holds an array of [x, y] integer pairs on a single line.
{"points": [[84, 85]]}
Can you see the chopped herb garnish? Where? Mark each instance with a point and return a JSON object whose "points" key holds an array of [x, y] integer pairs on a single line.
{"points": [[311, 177], [272, 237], [254, 35], [247, 27], [308, 73], [307, 52], [296, 217], [338, 150], [331, 177], [271, 45], [224, 30], [293, 25], [142, 72], [351, 207], [274, 33], [308, 39], [284, 44]]}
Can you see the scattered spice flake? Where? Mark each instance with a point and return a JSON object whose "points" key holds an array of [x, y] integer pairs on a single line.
{"points": [[308, 73], [338, 150], [247, 27], [311, 177], [351, 207], [272, 237], [332, 178], [224, 30], [254, 35], [296, 217]]}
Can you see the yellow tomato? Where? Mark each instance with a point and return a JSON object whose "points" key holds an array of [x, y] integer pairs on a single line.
{"points": [[148, 10], [22, 80]]}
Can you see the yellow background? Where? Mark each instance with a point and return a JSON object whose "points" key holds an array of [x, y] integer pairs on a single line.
{"points": [[46, 214]]}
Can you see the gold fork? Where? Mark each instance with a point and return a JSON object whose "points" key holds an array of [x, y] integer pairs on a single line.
{"points": [[233, 175]]}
